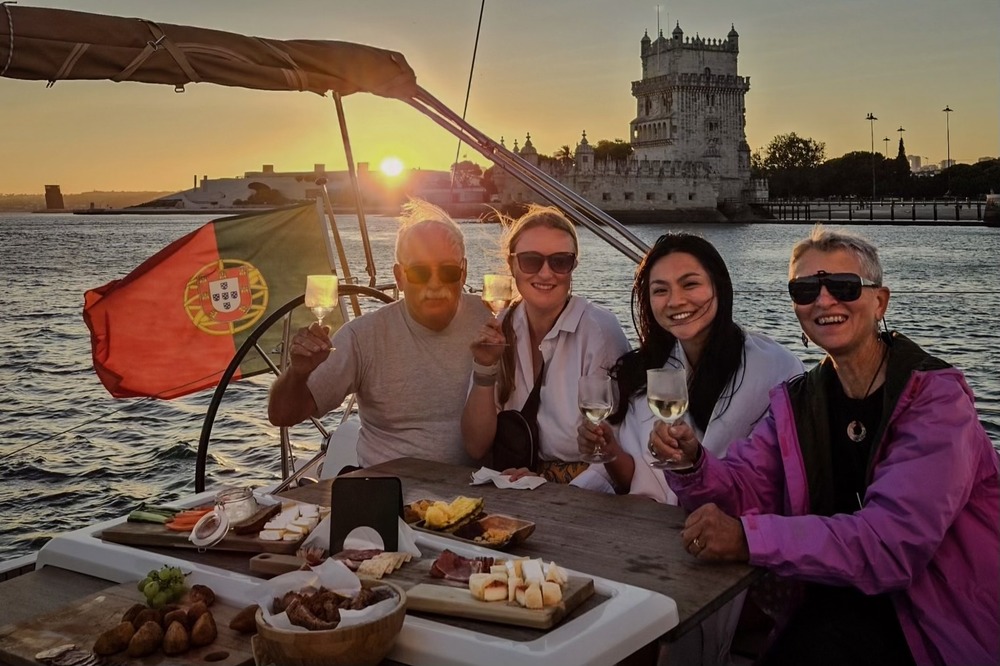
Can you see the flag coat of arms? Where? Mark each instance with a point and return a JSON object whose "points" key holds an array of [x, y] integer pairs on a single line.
{"points": [[173, 325]]}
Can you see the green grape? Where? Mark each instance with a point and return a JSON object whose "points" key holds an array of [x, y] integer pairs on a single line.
{"points": [[143, 583], [160, 600], [151, 590]]}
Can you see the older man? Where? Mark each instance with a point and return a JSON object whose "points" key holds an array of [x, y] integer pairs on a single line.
{"points": [[408, 362]]}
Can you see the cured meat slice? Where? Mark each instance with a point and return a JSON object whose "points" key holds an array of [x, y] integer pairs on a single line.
{"points": [[452, 566], [354, 558]]}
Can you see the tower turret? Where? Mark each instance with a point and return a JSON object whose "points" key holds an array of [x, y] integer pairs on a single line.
{"points": [[584, 155], [528, 152], [733, 38], [678, 33]]}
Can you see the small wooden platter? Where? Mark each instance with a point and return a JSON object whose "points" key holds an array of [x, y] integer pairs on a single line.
{"points": [[459, 602], [150, 534]]}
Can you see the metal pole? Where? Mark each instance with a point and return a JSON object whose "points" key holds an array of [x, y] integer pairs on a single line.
{"points": [[871, 122], [362, 224], [947, 128]]}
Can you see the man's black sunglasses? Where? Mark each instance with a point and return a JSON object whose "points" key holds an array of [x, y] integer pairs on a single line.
{"points": [[532, 262], [447, 273], [845, 287]]}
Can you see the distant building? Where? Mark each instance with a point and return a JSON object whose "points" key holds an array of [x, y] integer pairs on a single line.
{"points": [[268, 187], [915, 162], [688, 136]]}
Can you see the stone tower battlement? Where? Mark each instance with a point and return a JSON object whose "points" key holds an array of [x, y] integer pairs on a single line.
{"points": [[690, 106], [688, 136]]}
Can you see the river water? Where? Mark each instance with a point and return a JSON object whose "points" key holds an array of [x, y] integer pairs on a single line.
{"points": [[71, 455]]}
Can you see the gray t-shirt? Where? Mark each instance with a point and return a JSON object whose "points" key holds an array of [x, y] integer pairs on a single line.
{"points": [[411, 382]]}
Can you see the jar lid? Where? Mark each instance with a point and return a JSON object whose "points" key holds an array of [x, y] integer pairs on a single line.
{"points": [[233, 495], [210, 529]]}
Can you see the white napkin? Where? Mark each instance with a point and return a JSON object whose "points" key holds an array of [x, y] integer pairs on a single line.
{"points": [[486, 475], [362, 538]]}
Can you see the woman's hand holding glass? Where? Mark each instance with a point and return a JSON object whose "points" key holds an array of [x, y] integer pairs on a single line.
{"points": [[666, 393], [487, 346], [674, 443], [596, 400]]}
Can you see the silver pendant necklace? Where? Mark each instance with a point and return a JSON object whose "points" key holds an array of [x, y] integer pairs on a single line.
{"points": [[856, 430]]}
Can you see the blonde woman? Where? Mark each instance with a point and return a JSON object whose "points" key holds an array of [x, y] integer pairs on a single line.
{"points": [[548, 337]]}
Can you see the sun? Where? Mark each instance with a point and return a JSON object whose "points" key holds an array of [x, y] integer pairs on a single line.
{"points": [[391, 166]]}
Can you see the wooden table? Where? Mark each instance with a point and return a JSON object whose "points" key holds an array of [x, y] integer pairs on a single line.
{"points": [[628, 539]]}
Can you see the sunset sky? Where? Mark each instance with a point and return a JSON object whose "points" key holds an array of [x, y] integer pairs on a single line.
{"points": [[551, 68]]}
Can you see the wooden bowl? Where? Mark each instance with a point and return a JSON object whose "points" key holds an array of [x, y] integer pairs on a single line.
{"points": [[359, 645]]}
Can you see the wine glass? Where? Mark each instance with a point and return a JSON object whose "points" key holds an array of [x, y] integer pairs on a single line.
{"points": [[498, 290], [596, 399], [321, 295], [666, 393]]}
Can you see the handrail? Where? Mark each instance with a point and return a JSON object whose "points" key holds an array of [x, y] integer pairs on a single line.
{"points": [[234, 364]]}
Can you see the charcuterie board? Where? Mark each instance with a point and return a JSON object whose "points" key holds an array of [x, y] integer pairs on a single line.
{"points": [[149, 534], [459, 602]]}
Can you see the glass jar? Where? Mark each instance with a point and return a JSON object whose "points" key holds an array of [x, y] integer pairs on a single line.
{"points": [[236, 503]]}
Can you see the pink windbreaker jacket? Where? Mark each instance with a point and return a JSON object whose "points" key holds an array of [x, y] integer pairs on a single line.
{"points": [[929, 530]]}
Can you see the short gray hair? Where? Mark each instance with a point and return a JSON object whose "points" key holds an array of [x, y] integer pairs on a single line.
{"points": [[417, 214], [825, 240]]}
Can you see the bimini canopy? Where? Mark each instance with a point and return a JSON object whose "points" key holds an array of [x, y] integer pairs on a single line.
{"points": [[55, 45]]}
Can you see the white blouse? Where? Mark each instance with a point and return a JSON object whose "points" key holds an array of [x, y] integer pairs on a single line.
{"points": [[766, 364]]}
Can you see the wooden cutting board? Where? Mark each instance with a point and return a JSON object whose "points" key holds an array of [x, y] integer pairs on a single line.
{"points": [[82, 621], [149, 534], [458, 601], [274, 564]]}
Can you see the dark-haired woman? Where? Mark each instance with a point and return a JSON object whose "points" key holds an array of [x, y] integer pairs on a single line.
{"points": [[682, 305], [547, 336]]}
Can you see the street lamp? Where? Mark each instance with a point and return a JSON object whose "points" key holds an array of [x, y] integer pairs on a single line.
{"points": [[886, 140], [947, 125], [871, 122]]}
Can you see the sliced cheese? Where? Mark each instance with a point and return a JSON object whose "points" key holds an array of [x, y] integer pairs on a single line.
{"points": [[513, 583], [533, 597], [532, 572], [551, 594], [556, 574], [270, 535]]}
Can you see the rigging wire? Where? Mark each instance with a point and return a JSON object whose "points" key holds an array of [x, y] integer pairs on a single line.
{"points": [[74, 427], [468, 90]]}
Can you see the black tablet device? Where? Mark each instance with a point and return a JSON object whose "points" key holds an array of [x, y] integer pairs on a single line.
{"points": [[366, 501]]}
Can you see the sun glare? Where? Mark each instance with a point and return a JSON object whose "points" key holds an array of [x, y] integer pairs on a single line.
{"points": [[392, 166]]}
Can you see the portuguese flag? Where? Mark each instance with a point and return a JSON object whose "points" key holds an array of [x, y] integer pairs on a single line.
{"points": [[172, 325]]}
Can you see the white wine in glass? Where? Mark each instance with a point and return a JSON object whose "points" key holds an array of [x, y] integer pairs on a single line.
{"points": [[596, 400], [321, 295], [666, 393], [498, 291]]}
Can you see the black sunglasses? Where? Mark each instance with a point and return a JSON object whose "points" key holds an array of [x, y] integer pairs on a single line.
{"points": [[447, 273], [845, 287], [532, 262]]}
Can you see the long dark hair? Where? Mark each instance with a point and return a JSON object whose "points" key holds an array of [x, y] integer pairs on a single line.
{"points": [[723, 354]]}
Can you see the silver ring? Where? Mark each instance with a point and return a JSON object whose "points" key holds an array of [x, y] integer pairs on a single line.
{"points": [[651, 448], [697, 543]]}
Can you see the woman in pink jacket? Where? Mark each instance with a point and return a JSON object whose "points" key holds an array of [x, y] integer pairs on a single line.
{"points": [[871, 481]]}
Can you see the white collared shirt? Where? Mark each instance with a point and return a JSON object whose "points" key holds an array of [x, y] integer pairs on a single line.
{"points": [[586, 339]]}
